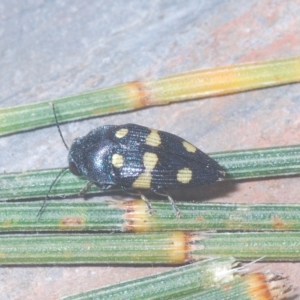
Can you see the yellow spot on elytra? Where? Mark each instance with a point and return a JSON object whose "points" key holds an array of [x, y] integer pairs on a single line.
{"points": [[153, 139], [6, 224], [189, 147], [150, 160], [144, 180], [184, 175], [117, 160], [121, 133]]}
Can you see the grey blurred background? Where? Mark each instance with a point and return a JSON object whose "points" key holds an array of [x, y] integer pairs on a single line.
{"points": [[51, 49]]}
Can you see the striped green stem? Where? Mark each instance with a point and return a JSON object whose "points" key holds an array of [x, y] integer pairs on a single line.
{"points": [[257, 286], [155, 248], [178, 281], [170, 248], [243, 164], [260, 163], [274, 246], [134, 216], [135, 95]]}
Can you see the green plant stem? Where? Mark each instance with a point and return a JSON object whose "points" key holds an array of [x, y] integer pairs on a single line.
{"points": [[99, 216], [166, 285], [151, 248], [250, 287], [244, 164], [276, 246], [110, 248], [135, 95]]}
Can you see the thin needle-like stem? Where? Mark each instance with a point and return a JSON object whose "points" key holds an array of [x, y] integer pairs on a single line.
{"points": [[170, 248], [136, 95], [133, 216], [244, 164]]}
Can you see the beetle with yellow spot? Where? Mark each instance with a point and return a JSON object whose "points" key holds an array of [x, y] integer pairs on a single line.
{"points": [[136, 157]]}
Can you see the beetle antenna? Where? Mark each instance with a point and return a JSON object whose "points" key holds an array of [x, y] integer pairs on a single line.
{"points": [[50, 188], [62, 170], [58, 128]]}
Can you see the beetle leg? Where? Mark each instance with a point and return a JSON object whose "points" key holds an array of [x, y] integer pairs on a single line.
{"points": [[89, 184], [174, 206], [85, 189], [143, 197], [150, 209]]}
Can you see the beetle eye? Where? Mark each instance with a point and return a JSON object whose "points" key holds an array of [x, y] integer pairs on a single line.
{"points": [[73, 169]]}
